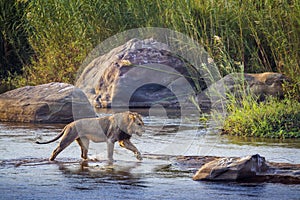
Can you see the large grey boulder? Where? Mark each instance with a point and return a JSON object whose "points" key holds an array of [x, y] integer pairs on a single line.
{"points": [[47, 103], [139, 73]]}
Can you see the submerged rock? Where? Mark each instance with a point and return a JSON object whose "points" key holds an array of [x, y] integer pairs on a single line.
{"points": [[47, 103]]}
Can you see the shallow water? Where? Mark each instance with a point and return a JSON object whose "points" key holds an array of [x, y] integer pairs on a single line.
{"points": [[25, 172]]}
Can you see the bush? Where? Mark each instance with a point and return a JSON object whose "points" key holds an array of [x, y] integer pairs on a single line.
{"points": [[271, 119]]}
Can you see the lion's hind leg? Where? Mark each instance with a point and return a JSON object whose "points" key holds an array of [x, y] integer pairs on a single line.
{"points": [[66, 140], [84, 145], [55, 153]]}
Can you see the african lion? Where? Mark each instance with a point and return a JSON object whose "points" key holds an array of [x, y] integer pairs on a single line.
{"points": [[118, 127]]}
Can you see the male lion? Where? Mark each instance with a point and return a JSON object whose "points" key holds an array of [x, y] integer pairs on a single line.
{"points": [[118, 127]]}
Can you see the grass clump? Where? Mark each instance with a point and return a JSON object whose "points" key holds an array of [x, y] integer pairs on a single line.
{"points": [[270, 119]]}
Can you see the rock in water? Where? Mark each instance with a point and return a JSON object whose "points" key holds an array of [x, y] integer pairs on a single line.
{"points": [[47, 103], [139, 73], [232, 169]]}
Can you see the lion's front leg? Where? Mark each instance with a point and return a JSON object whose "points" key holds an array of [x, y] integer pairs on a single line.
{"points": [[110, 151], [128, 145]]}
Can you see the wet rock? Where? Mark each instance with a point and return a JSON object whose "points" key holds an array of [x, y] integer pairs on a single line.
{"points": [[232, 169], [139, 73], [237, 84], [249, 169], [47, 103]]}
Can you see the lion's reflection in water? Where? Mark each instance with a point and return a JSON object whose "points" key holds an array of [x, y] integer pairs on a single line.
{"points": [[90, 175]]}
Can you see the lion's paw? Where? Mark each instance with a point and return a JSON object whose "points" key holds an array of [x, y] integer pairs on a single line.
{"points": [[138, 156]]}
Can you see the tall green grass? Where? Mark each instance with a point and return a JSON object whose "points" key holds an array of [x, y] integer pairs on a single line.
{"points": [[255, 35], [15, 50], [261, 35], [62, 33]]}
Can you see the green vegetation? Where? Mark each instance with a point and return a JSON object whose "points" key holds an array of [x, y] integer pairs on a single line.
{"points": [[15, 50], [51, 38], [271, 119]]}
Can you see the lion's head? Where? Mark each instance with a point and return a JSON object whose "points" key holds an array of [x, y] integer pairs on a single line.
{"points": [[130, 123]]}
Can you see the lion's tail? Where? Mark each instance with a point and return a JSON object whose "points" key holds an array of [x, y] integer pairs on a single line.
{"points": [[54, 139]]}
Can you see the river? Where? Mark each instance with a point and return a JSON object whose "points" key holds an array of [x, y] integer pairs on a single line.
{"points": [[26, 173]]}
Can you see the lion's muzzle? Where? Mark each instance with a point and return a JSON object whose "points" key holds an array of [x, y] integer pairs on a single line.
{"points": [[140, 130]]}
